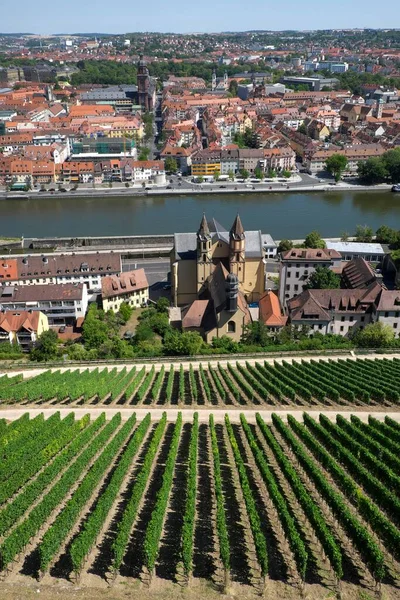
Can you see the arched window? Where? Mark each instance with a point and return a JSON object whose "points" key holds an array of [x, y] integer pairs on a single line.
{"points": [[231, 327]]}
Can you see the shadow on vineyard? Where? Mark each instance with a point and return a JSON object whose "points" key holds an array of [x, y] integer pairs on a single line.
{"points": [[240, 569], [203, 560], [170, 547], [102, 562], [276, 563], [133, 560]]}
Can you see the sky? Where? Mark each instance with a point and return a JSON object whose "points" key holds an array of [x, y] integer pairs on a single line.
{"points": [[75, 16]]}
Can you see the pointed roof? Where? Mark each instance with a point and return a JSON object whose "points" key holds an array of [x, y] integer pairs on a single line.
{"points": [[204, 230], [237, 231]]}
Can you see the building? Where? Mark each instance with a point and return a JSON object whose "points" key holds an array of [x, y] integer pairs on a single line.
{"points": [[357, 273], [22, 328], [387, 310], [145, 85], [315, 84], [221, 309], [371, 252], [206, 162], [195, 256], [316, 162], [123, 98], [62, 304], [270, 311], [44, 269], [130, 287], [298, 264], [336, 311], [270, 247]]}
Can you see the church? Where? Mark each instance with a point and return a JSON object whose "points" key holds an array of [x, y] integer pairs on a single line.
{"points": [[215, 274]]}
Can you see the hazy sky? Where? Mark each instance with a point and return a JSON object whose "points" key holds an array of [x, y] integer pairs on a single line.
{"points": [[43, 16]]}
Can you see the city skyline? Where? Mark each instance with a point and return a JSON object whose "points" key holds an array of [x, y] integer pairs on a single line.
{"points": [[94, 17]]}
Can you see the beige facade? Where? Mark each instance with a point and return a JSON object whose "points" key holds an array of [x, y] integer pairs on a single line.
{"points": [[231, 325], [194, 258], [134, 299]]}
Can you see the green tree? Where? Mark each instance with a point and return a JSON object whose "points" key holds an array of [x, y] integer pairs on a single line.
{"points": [[364, 233], [171, 165], [387, 235], [144, 153], [187, 343], [271, 174], [256, 334], [95, 330], [231, 175], [302, 129], [314, 240], [225, 344], [46, 348], [285, 245], [163, 305], [233, 87], [373, 170], [336, 165], [125, 310], [217, 174], [323, 278], [375, 335], [258, 173], [244, 173], [286, 173], [344, 237], [391, 161]]}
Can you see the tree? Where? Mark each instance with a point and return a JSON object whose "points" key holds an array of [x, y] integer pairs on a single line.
{"points": [[125, 310], [163, 305], [187, 343], [95, 330], [231, 175], [364, 233], [375, 335], [144, 153], [256, 334], [285, 245], [323, 278], [387, 235], [233, 87], [244, 173], [314, 240], [286, 173], [391, 161], [171, 164], [217, 174], [258, 173], [344, 237], [372, 170], [302, 129], [336, 164], [46, 347], [271, 174]]}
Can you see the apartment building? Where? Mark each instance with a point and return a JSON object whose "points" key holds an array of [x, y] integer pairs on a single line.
{"points": [[131, 287], [62, 304], [298, 264]]}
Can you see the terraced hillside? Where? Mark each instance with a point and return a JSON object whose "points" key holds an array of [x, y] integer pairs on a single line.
{"points": [[299, 383], [316, 502]]}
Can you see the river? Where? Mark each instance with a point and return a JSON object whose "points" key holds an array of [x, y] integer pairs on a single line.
{"points": [[283, 215]]}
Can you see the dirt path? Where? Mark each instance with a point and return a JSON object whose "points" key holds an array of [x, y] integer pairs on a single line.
{"points": [[204, 413]]}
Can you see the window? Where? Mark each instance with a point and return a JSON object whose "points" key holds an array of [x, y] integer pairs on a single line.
{"points": [[296, 287], [351, 319], [341, 328], [342, 319], [297, 274], [386, 314], [288, 273], [362, 319], [319, 326], [394, 325], [287, 287], [231, 327]]}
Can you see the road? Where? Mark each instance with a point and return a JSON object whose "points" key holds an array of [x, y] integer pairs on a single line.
{"points": [[187, 413], [156, 269]]}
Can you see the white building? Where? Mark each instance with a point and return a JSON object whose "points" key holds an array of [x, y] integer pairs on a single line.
{"points": [[298, 264], [62, 304], [270, 247], [371, 252]]}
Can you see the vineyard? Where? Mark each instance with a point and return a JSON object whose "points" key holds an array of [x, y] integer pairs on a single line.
{"points": [[244, 503], [327, 383]]}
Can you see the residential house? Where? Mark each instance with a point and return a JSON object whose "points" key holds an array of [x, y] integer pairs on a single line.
{"points": [[270, 311], [130, 287], [22, 328]]}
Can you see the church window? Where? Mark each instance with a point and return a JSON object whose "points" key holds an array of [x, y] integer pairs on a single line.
{"points": [[231, 327]]}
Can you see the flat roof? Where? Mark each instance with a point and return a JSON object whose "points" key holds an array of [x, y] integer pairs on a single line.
{"points": [[362, 247]]}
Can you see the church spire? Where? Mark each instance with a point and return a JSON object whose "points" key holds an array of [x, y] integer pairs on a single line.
{"points": [[204, 231], [237, 231]]}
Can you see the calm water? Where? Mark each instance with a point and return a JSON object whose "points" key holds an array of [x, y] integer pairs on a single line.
{"points": [[290, 215]]}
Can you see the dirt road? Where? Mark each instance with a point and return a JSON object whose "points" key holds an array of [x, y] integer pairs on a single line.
{"points": [[187, 413]]}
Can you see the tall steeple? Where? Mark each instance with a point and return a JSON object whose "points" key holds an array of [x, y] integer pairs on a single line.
{"points": [[204, 255], [237, 246]]}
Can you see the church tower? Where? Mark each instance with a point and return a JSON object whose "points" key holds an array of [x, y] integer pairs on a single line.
{"points": [[237, 246], [143, 83], [204, 257], [226, 82], [379, 108], [232, 292], [214, 80]]}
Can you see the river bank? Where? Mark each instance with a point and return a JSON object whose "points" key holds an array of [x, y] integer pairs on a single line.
{"points": [[189, 191]]}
